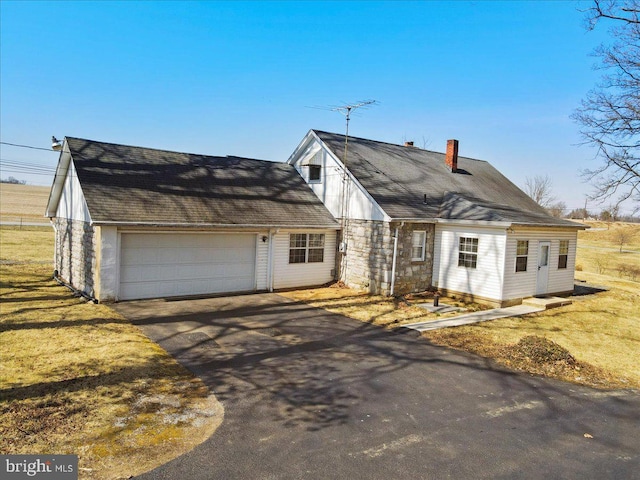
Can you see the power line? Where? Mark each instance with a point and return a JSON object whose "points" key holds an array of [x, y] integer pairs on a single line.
{"points": [[28, 146]]}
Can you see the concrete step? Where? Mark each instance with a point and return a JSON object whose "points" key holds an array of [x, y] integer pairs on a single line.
{"points": [[547, 302]]}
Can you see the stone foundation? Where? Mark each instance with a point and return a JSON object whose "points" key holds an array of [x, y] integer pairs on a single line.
{"points": [[75, 254]]}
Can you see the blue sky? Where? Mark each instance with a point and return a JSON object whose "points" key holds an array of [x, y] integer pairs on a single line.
{"points": [[239, 78]]}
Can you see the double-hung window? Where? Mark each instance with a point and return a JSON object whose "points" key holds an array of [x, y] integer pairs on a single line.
{"points": [[468, 252], [522, 255], [564, 254], [306, 248], [418, 242]]}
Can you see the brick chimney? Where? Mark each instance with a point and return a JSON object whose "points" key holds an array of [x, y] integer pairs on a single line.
{"points": [[451, 158], [408, 144]]}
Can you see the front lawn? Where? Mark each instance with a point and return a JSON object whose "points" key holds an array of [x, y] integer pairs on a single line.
{"points": [[77, 378]]}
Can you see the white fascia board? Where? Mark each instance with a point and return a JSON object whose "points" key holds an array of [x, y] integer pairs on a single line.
{"points": [[213, 225], [575, 226], [58, 180], [474, 223], [310, 136], [365, 192]]}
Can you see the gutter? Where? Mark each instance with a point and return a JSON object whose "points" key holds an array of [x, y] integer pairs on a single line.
{"points": [[211, 225]]}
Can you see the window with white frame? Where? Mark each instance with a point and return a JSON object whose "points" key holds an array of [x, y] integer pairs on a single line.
{"points": [[306, 247], [468, 252], [418, 242], [315, 173], [315, 168], [563, 257], [522, 255]]}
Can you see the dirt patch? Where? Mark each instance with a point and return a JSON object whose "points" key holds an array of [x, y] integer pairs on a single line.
{"points": [[541, 356]]}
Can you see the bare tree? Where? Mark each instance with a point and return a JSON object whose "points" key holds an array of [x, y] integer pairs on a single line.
{"points": [[610, 114], [539, 188], [622, 236], [557, 209]]}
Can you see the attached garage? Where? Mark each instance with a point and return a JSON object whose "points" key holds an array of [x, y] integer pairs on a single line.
{"points": [[134, 223], [164, 265]]}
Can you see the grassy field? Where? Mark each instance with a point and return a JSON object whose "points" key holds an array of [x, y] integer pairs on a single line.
{"points": [[26, 202], [595, 341], [599, 250], [77, 378]]}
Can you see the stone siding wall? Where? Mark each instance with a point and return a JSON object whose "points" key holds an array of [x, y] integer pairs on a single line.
{"points": [[413, 276], [369, 259], [367, 263], [75, 253]]}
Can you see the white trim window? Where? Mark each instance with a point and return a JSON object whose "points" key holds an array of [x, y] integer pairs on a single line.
{"points": [[315, 168], [563, 257], [315, 173], [306, 247], [418, 243], [522, 255], [468, 252]]}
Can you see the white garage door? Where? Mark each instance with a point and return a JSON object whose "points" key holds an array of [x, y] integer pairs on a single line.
{"points": [[166, 265]]}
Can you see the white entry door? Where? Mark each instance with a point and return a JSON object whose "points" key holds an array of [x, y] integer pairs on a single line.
{"points": [[167, 265], [543, 268]]}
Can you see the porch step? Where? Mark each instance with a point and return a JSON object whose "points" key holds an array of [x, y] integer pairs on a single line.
{"points": [[547, 302]]}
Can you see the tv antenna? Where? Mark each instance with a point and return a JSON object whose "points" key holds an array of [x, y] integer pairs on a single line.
{"points": [[346, 187], [346, 111]]}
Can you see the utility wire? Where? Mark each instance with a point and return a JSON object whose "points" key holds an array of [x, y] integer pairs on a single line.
{"points": [[28, 146]]}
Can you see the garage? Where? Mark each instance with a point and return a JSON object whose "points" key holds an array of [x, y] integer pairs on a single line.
{"points": [[154, 265]]}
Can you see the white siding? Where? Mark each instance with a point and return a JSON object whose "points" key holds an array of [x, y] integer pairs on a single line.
{"points": [[288, 275], [106, 269], [72, 205], [262, 261], [523, 284], [329, 189], [486, 280]]}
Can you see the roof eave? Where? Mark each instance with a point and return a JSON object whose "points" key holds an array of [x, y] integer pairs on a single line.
{"points": [[572, 225], [334, 226], [64, 160]]}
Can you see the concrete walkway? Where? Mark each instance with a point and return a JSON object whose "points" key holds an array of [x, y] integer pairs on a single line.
{"points": [[475, 317]]}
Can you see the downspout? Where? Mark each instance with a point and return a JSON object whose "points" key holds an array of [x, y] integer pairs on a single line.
{"points": [[76, 292], [55, 244], [393, 264]]}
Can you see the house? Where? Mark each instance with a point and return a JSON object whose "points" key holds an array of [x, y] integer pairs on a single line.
{"points": [[134, 223], [412, 219]]}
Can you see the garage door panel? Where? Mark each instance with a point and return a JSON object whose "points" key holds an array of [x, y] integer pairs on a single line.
{"points": [[164, 265]]}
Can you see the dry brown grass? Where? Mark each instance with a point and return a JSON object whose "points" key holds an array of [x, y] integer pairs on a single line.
{"points": [[25, 202], [77, 378], [599, 250], [375, 309], [601, 331]]}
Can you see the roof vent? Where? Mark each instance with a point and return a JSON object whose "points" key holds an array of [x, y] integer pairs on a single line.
{"points": [[408, 144], [451, 158]]}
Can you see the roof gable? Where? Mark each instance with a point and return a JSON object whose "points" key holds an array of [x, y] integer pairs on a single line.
{"points": [[411, 183], [135, 185]]}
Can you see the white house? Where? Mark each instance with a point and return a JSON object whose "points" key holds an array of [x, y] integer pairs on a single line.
{"points": [[413, 219]]}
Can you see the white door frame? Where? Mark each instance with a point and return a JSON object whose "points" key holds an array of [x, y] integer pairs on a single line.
{"points": [[542, 278]]}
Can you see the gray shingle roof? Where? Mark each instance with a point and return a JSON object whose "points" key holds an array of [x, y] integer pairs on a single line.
{"points": [[124, 184], [411, 183]]}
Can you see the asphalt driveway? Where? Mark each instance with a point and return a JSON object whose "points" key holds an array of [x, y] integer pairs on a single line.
{"points": [[310, 394]]}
